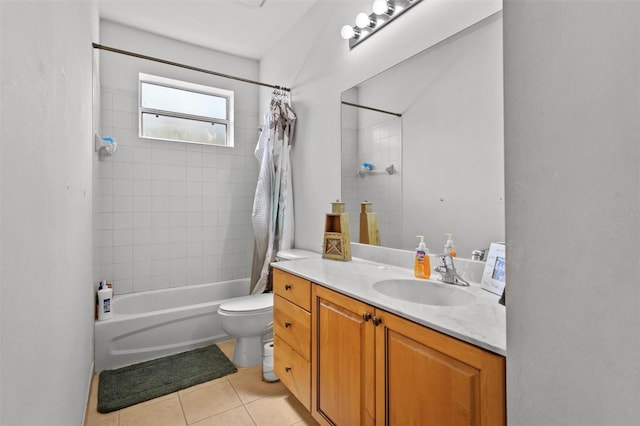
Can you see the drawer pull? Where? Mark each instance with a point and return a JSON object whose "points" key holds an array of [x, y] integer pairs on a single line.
{"points": [[366, 316], [287, 368], [377, 321], [287, 286], [287, 324]]}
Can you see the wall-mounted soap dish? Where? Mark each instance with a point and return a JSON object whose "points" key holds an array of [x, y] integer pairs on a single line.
{"points": [[105, 146]]}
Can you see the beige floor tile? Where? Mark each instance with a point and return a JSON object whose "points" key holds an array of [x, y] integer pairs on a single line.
{"points": [[208, 401], [193, 388], [227, 348], [309, 421], [277, 411], [255, 370], [109, 419], [250, 386], [164, 411], [93, 417], [235, 417]]}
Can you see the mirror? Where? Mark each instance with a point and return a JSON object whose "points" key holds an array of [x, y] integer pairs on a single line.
{"points": [[437, 119]]}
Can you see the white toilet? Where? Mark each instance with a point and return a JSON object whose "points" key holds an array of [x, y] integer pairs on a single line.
{"points": [[245, 318]]}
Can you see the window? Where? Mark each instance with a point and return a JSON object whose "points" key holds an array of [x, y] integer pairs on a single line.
{"points": [[178, 111]]}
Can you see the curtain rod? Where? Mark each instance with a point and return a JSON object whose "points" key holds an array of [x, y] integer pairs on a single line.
{"points": [[189, 67], [372, 109]]}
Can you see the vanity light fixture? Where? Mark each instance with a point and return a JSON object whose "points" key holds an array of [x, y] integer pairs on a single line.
{"points": [[383, 12]]}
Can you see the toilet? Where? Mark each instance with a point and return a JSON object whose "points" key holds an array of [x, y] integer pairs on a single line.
{"points": [[245, 318]]}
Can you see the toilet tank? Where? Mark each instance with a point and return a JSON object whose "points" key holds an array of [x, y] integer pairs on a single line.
{"points": [[294, 254]]}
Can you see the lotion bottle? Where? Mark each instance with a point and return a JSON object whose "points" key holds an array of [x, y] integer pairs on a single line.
{"points": [[448, 246], [422, 266], [105, 294]]}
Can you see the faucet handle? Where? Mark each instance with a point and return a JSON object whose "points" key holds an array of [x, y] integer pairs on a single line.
{"points": [[444, 268]]}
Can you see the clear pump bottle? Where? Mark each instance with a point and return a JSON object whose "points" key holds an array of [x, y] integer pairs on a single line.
{"points": [[448, 246]]}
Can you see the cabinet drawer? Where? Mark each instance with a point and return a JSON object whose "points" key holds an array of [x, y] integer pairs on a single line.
{"points": [[293, 371], [292, 288], [293, 325]]}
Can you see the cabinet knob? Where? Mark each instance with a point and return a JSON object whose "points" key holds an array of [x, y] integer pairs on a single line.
{"points": [[287, 368], [287, 324], [287, 286], [376, 321], [366, 316]]}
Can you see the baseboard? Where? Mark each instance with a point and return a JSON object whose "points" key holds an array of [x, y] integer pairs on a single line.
{"points": [[88, 393]]}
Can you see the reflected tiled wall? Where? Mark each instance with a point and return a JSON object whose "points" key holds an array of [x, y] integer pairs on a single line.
{"points": [[169, 214], [378, 144]]}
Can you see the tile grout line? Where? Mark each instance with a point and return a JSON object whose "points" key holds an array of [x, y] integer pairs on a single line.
{"points": [[184, 415], [244, 405]]}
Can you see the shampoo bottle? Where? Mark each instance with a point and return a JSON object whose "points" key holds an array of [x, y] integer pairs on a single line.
{"points": [[105, 295], [448, 246], [422, 266]]}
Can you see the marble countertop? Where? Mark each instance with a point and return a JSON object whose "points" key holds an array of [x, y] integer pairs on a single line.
{"points": [[481, 323]]}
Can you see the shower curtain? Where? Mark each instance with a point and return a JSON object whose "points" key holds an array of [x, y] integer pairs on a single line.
{"points": [[272, 215]]}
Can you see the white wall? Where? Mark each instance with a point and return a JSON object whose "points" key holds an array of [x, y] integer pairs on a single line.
{"points": [[319, 66], [572, 120], [170, 214], [46, 310]]}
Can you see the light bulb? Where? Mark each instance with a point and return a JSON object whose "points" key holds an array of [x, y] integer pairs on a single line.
{"points": [[347, 32], [363, 20], [382, 7]]}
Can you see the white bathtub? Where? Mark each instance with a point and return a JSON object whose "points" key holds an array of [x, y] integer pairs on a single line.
{"points": [[157, 323]]}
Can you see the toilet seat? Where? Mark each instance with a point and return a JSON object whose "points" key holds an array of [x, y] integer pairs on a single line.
{"points": [[255, 304]]}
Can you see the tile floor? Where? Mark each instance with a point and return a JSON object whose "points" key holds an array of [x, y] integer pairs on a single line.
{"points": [[238, 399]]}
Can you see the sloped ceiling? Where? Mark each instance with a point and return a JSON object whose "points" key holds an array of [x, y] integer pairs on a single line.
{"points": [[240, 27]]}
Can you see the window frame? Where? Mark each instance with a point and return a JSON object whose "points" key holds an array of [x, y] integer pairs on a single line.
{"points": [[187, 87]]}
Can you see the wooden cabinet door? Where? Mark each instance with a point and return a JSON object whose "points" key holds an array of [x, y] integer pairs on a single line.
{"points": [[425, 378], [342, 383]]}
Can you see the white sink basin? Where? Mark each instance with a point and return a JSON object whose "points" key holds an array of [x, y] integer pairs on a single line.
{"points": [[424, 292]]}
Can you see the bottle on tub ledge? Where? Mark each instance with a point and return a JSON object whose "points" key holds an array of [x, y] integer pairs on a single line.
{"points": [[105, 295]]}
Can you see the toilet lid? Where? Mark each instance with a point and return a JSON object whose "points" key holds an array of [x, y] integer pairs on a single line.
{"points": [[254, 303]]}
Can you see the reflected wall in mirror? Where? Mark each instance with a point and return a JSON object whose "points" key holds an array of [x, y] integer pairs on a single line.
{"points": [[371, 143], [447, 148]]}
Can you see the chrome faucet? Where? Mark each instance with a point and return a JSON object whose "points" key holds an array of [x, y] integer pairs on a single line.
{"points": [[448, 272]]}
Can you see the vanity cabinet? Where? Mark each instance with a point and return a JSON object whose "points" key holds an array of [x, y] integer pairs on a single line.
{"points": [[424, 377], [292, 334], [343, 342], [371, 367]]}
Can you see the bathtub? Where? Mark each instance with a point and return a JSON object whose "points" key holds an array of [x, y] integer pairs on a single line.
{"points": [[157, 323]]}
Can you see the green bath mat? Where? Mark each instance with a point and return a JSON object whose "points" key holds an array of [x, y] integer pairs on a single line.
{"points": [[150, 379]]}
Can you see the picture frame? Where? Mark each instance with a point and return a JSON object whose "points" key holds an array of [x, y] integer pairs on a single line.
{"points": [[494, 277]]}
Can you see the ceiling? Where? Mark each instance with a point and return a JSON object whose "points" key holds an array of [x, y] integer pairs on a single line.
{"points": [[240, 27]]}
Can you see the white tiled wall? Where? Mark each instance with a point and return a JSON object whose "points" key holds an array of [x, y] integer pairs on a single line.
{"points": [[169, 214], [377, 143]]}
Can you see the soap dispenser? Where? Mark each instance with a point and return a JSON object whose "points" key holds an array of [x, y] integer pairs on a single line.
{"points": [[448, 246], [422, 266]]}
